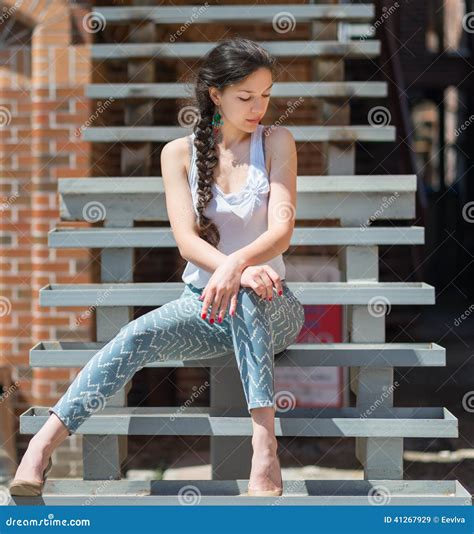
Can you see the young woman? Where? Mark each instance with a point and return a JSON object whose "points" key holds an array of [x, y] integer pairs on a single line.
{"points": [[230, 194]]}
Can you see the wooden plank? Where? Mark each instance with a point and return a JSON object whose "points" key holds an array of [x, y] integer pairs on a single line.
{"points": [[344, 492], [235, 13], [185, 421], [196, 50], [142, 237], [316, 134], [158, 293], [78, 353], [342, 89]]}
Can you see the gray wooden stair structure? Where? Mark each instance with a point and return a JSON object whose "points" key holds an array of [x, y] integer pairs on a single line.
{"points": [[379, 428]]}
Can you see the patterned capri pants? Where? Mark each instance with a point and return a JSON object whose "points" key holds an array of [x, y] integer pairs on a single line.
{"points": [[258, 330]]}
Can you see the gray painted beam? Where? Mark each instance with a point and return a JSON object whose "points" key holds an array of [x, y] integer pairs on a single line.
{"points": [[344, 89], [316, 134], [158, 293], [163, 237], [235, 13], [232, 493], [353, 183], [78, 353], [196, 50], [184, 421]]}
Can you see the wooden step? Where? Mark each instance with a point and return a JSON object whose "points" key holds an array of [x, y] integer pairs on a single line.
{"points": [[278, 48], [163, 237], [341, 89], [158, 293], [235, 13], [310, 422], [73, 492], [163, 134], [78, 353]]}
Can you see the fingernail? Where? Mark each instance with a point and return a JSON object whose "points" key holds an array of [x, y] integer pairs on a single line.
{"points": [[204, 315], [280, 292], [232, 313], [211, 320], [219, 320], [270, 298]]}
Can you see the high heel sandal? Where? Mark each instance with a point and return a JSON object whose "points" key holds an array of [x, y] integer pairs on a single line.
{"points": [[264, 493], [28, 488]]}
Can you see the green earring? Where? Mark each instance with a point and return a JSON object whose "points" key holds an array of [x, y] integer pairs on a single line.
{"points": [[217, 120]]}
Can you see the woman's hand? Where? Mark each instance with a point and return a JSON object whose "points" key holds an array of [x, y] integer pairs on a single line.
{"points": [[222, 287], [262, 279]]}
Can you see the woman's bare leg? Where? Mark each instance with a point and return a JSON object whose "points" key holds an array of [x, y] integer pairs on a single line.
{"points": [[266, 472], [40, 448]]}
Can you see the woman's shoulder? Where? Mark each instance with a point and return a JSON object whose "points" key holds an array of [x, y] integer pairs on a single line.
{"points": [[275, 138], [180, 149]]}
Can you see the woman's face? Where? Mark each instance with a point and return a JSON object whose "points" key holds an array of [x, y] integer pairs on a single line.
{"points": [[245, 100]]}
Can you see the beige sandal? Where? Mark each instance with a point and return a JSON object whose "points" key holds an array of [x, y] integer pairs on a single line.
{"points": [[264, 493], [28, 488]]}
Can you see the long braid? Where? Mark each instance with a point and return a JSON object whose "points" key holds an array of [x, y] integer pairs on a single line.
{"points": [[206, 160]]}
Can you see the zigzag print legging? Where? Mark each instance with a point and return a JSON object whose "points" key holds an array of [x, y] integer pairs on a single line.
{"points": [[175, 331]]}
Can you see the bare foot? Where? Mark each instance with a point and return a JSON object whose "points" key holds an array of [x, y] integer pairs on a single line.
{"points": [[266, 471], [32, 464]]}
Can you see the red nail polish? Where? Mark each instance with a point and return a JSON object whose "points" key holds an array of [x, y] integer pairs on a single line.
{"points": [[204, 315], [280, 292], [219, 320], [270, 298], [211, 320]]}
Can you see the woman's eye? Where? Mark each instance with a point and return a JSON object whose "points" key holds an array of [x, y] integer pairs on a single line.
{"points": [[244, 99]]}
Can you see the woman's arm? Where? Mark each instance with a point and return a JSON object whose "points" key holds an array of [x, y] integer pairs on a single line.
{"points": [[281, 149], [180, 208]]}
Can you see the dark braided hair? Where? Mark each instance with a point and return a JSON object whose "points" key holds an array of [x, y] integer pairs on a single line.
{"points": [[227, 63]]}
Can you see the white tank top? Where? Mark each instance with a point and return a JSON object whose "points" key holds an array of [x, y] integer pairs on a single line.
{"points": [[240, 217]]}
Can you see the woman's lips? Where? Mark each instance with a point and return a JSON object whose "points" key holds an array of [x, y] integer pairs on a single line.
{"points": [[254, 120]]}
